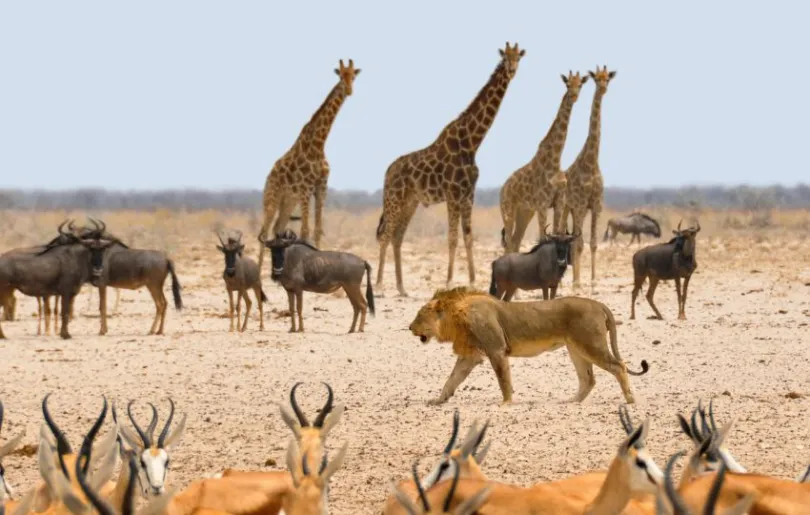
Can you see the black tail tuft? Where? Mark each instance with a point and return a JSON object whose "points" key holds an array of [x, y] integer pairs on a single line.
{"points": [[369, 291], [606, 233], [503, 237], [178, 301], [644, 368], [263, 296]]}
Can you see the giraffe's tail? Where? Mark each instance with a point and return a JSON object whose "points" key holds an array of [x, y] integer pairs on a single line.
{"points": [[381, 227]]}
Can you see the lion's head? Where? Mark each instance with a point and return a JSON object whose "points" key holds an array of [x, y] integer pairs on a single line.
{"points": [[442, 315]]}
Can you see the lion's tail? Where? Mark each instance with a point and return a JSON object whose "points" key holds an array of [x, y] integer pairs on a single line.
{"points": [[614, 344]]}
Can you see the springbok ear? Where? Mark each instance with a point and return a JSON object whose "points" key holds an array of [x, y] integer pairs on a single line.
{"points": [[332, 420], [335, 463], [177, 434], [11, 445], [481, 455], [472, 504], [406, 501], [133, 440], [103, 449], [722, 432], [293, 462], [105, 470], [685, 427], [291, 422], [220, 248]]}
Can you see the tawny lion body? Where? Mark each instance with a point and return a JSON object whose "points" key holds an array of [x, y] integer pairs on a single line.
{"points": [[481, 326]]}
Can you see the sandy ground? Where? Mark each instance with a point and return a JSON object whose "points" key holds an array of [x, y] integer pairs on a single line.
{"points": [[745, 344]]}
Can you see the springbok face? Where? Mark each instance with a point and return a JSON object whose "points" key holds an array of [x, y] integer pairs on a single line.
{"points": [[634, 461], [347, 75], [310, 487], [468, 507], [511, 57], [709, 459], [574, 82], [5, 450], [153, 455], [465, 459], [602, 77], [278, 248]]}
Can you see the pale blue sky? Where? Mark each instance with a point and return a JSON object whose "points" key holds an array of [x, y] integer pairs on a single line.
{"points": [[167, 94]]}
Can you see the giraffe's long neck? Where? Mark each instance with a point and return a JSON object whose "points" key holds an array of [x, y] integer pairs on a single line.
{"points": [[315, 132], [554, 141], [591, 149], [472, 124]]}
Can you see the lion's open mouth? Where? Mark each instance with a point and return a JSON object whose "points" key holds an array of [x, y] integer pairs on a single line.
{"points": [[423, 338]]}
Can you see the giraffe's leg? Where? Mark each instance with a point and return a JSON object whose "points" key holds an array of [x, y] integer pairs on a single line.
{"points": [[542, 217], [270, 207], [522, 219], [579, 245], [466, 230], [595, 211], [508, 217], [399, 236], [305, 216], [559, 210], [284, 211], [453, 215], [320, 198]]}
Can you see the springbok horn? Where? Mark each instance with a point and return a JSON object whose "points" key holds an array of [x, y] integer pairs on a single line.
{"points": [[327, 408], [165, 431], [449, 447], [451, 492], [144, 437], [624, 418], [415, 469], [91, 435], [152, 423], [302, 419], [676, 500], [62, 445]]}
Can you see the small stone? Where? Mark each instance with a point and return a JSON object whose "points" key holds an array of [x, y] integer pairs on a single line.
{"points": [[656, 342]]}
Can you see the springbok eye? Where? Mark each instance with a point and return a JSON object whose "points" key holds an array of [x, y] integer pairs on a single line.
{"points": [[641, 463]]}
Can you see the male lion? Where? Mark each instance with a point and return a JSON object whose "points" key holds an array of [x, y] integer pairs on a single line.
{"points": [[480, 325]]}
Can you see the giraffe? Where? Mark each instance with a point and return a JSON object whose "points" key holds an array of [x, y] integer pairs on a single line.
{"points": [[585, 186], [537, 185], [303, 171], [445, 171]]}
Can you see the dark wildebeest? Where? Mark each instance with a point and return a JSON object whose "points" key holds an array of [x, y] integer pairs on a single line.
{"points": [[132, 269], [672, 260], [57, 270], [300, 267], [241, 274], [634, 224], [542, 267]]}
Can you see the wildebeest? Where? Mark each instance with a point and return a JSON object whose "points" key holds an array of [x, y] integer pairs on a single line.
{"points": [[241, 274], [122, 267], [672, 260], [300, 267], [541, 267], [634, 224], [57, 270]]}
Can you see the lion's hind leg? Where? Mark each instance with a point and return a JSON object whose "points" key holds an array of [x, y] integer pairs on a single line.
{"points": [[585, 376], [602, 358]]}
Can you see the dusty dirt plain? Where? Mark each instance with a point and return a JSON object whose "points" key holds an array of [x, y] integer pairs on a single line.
{"points": [[745, 344]]}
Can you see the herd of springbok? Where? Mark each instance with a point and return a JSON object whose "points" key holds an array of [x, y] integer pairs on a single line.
{"points": [[632, 482]]}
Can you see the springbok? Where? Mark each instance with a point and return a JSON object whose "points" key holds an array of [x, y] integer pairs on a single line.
{"points": [[154, 454], [5, 450], [241, 274], [468, 507], [698, 435]]}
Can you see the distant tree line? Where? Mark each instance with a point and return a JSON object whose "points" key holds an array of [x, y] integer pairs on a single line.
{"points": [[716, 197]]}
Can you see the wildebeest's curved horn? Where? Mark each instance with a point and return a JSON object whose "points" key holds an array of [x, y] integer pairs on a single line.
{"points": [[545, 229], [238, 235], [59, 229], [302, 419], [327, 408], [103, 226], [219, 237], [165, 431], [698, 226], [679, 225]]}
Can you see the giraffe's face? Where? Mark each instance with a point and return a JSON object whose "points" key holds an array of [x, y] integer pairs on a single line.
{"points": [[347, 75], [602, 77], [574, 84], [511, 57]]}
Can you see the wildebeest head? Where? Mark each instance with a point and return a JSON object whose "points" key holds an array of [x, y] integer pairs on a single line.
{"points": [[562, 245], [232, 249], [97, 247], [278, 248], [685, 239], [64, 238]]}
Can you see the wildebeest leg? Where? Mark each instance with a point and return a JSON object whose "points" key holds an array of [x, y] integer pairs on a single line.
{"points": [[57, 300], [585, 376], [66, 301], [164, 304], [102, 308], [291, 300], [299, 301], [351, 294], [39, 318], [247, 309], [681, 315], [632, 238], [230, 309], [509, 291], [463, 367], [156, 299], [639, 282], [258, 292], [500, 364], [117, 300], [651, 294], [683, 296], [238, 309], [553, 292], [545, 293]]}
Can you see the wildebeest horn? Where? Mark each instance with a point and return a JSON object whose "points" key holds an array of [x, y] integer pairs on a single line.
{"points": [[165, 431], [679, 225], [219, 236], [144, 436], [698, 227], [327, 408], [238, 235], [59, 229], [302, 419]]}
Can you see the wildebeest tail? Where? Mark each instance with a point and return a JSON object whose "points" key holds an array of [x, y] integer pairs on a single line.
{"points": [[178, 301], [614, 346], [493, 290], [369, 291], [263, 296], [381, 226], [607, 229], [503, 237]]}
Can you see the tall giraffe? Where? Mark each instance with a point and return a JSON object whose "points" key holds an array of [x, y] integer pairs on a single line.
{"points": [[537, 185], [303, 171], [585, 185], [445, 171]]}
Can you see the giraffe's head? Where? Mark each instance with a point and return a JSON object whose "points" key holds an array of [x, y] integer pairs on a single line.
{"points": [[574, 83], [511, 56], [602, 77], [347, 75]]}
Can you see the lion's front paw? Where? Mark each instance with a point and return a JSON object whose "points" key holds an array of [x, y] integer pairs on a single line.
{"points": [[436, 402]]}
